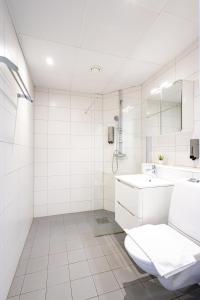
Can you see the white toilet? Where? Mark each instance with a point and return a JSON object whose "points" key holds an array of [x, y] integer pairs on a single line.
{"points": [[184, 218]]}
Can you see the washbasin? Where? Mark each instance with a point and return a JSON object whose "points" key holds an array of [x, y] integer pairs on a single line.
{"points": [[143, 181]]}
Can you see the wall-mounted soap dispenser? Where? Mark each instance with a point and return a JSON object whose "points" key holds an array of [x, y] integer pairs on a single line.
{"points": [[111, 135], [194, 149]]}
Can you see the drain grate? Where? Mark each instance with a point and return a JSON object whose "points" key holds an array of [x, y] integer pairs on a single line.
{"points": [[103, 220]]}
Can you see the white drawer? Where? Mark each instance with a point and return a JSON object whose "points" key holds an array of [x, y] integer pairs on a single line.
{"points": [[128, 197], [124, 218]]}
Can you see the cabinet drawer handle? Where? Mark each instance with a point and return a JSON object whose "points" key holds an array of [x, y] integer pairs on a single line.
{"points": [[127, 184], [126, 209]]}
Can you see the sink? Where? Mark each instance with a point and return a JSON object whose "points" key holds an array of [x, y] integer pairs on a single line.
{"points": [[143, 181]]}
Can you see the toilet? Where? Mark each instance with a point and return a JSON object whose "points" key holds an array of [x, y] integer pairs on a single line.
{"points": [[184, 218]]}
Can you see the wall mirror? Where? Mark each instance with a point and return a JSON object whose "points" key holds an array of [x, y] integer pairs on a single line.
{"points": [[169, 108]]}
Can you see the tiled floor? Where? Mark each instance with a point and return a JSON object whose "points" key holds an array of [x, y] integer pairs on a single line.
{"points": [[62, 260]]}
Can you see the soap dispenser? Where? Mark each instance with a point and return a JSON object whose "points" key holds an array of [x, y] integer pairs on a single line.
{"points": [[194, 149]]}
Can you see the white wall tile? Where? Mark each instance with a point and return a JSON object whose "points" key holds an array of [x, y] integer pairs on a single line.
{"points": [[80, 128], [59, 196], [58, 155], [57, 127], [58, 141], [40, 127], [40, 141], [58, 114], [58, 182], [41, 112], [40, 183], [16, 157]]}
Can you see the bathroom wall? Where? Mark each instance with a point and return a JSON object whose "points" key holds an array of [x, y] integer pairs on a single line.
{"points": [[16, 157], [68, 132], [131, 138], [175, 147]]}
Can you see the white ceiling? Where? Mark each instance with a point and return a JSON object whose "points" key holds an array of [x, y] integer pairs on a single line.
{"points": [[129, 39]]}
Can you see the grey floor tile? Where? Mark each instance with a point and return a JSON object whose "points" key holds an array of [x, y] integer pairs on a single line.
{"points": [[74, 244], [93, 252], [58, 275], [90, 241], [83, 288], [105, 282], [157, 291], [37, 295], [116, 261], [108, 249], [76, 256], [37, 264], [72, 235], [16, 286], [57, 247], [26, 253], [34, 281], [21, 268], [58, 259], [79, 270], [13, 298], [116, 295], [125, 276], [59, 292], [39, 251], [98, 265], [136, 292]]}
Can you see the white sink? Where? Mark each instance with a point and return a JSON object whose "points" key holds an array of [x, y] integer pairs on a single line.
{"points": [[143, 181]]}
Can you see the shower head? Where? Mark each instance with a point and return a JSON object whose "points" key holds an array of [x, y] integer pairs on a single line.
{"points": [[116, 118]]}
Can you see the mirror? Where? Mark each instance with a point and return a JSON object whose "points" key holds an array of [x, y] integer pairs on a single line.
{"points": [[169, 108], [153, 115]]}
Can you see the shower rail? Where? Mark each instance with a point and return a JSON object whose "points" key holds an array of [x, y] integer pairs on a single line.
{"points": [[14, 70]]}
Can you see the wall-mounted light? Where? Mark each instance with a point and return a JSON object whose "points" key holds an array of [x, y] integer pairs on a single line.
{"points": [[163, 85], [156, 91]]}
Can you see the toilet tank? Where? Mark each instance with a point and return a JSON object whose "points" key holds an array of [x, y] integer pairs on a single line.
{"points": [[184, 212]]}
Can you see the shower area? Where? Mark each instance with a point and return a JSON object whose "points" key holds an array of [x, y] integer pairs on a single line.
{"points": [[102, 220], [80, 143]]}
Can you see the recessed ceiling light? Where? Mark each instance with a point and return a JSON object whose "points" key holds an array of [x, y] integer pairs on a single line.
{"points": [[49, 61], [95, 69]]}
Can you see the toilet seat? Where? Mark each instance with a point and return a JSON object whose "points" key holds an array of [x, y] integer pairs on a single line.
{"points": [[180, 280], [139, 256]]}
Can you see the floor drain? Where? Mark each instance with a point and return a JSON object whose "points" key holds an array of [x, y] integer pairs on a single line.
{"points": [[103, 220]]}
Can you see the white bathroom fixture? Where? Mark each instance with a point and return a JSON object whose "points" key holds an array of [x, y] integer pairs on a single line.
{"points": [[183, 221], [141, 199]]}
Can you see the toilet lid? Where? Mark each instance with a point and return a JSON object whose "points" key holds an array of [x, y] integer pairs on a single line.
{"points": [[139, 256]]}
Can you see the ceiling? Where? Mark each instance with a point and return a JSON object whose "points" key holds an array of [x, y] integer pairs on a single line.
{"points": [[129, 39]]}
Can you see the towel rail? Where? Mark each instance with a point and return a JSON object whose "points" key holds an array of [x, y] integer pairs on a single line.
{"points": [[14, 70]]}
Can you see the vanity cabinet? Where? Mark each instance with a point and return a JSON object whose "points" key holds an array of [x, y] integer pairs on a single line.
{"points": [[135, 206]]}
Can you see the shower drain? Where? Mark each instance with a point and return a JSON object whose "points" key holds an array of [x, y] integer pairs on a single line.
{"points": [[103, 220]]}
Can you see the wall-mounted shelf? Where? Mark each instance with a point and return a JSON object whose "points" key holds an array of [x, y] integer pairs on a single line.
{"points": [[14, 70]]}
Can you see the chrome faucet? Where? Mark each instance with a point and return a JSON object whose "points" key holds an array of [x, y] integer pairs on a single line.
{"points": [[154, 169]]}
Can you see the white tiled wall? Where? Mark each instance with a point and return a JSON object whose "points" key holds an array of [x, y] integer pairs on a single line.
{"points": [[16, 157], [175, 147], [68, 152], [131, 138]]}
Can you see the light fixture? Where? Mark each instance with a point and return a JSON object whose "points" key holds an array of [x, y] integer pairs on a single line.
{"points": [[156, 91], [49, 61], [95, 69], [163, 85]]}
